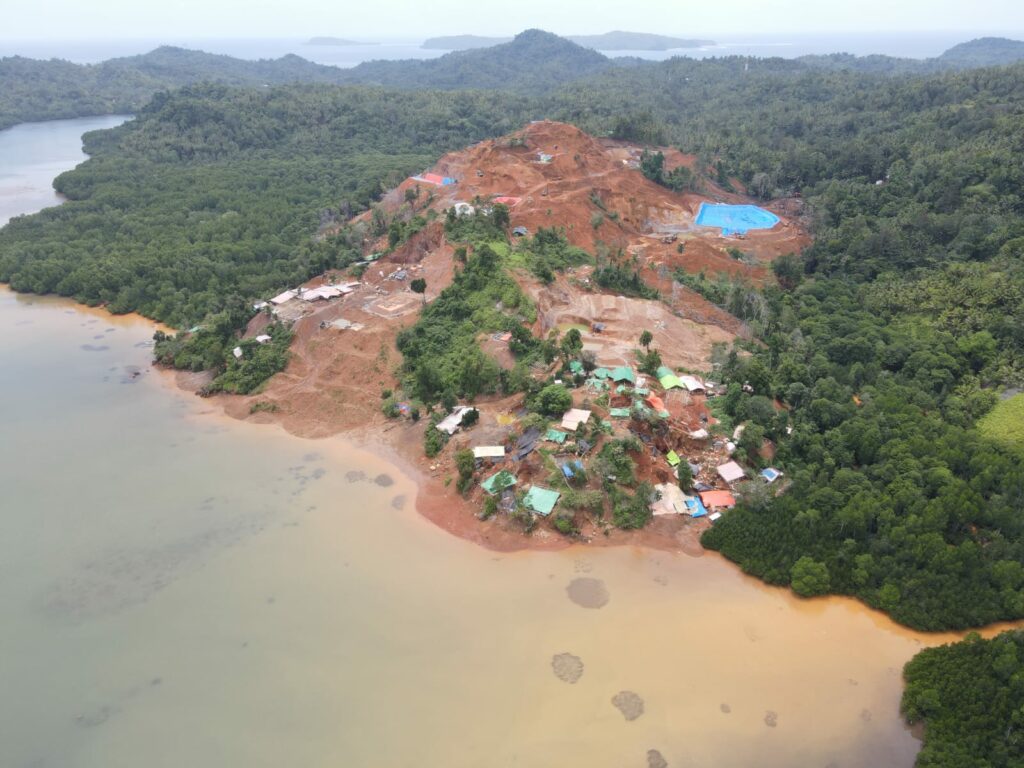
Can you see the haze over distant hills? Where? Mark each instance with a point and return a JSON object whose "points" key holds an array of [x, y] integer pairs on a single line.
{"points": [[609, 41], [534, 62], [335, 41]]}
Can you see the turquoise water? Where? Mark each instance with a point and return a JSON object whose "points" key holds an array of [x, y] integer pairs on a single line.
{"points": [[735, 219]]}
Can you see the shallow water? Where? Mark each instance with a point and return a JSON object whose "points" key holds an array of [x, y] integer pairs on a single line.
{"points": [[181, 589], [33, 154]]}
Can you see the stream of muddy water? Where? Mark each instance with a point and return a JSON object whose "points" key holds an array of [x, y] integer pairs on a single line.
{"points": [[181, 589]]}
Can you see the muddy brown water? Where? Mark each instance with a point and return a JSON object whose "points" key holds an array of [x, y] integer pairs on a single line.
{"points": [[182, 589]]}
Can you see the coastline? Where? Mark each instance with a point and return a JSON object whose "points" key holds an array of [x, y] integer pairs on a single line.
{"points": [[436, 498]]}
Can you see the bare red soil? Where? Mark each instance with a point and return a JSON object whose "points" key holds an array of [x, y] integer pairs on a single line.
{"points": [[592, 190]]}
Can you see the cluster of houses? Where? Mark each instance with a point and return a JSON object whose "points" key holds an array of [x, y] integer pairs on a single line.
{"points": [[705, 500]]}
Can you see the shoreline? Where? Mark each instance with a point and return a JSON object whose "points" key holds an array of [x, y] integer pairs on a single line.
{"points": [[434, 499]]}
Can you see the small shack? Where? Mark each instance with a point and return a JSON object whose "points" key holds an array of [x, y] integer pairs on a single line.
{"points": [[691, 383], [731, 472], [541, 500], [555, 436], [489, 452], [718, 499], [451, 423], [622, 373], [282, 298], [572, 418], [498, 482]]}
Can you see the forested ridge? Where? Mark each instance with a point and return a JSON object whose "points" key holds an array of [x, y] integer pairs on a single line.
{"points": [[533, 63], [970, 697], [213, 193]]}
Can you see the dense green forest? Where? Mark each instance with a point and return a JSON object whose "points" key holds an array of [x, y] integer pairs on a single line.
{"points": [[970, 696], [49, 90], [533, 63], [906, 326]]}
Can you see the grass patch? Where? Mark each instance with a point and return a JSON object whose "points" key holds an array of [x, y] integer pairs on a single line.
{"points": [[1004, 424]]}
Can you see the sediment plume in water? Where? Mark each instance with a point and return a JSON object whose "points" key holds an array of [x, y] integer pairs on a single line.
{"points": [[629, 704], [588, 593], [567, 668]]}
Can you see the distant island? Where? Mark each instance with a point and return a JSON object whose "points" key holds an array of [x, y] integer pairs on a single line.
{"points": [[609, 41], [636, 41], [334, 41]]}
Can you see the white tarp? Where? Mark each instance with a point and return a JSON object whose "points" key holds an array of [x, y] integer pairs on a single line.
{"points": [[692, 383], [451, 423], [672, 501], [489, 452], [731, 472]]}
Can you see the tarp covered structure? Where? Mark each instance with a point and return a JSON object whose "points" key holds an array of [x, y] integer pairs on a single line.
{"points": [[718, 499], [489, 452], [771, 474], [435, 178], [673, 459], [572, 418], [670, 381], [692, 383], [451, 423], [498, 482], [541, 500], [281, 298], [731, 472], [622, 373], [554, 436], [619, 413], [672, 501]]}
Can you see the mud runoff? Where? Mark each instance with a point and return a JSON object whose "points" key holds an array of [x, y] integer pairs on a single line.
{"points": [[588, 593], [629, 704], [655, 759], [567, 668]]}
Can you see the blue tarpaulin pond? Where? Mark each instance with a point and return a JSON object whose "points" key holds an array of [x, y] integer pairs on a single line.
{"points": [[735, 219]]}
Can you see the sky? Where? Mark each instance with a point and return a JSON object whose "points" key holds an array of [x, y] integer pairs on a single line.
{"points": [[378, 19]]}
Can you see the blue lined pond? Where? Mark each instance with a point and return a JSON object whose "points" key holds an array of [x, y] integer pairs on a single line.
{"points": [[735, 219]]}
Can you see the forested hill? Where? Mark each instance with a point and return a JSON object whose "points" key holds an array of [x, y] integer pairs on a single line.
{"points": [[48, 90], [983, 52], [534, 62]]}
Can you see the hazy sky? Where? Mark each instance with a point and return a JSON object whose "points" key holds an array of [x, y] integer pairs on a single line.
{"points": [[77, 19]]}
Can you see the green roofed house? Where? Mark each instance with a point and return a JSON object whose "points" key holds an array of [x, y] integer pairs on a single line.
{"points": [[576, 367], [671, 381], [622, 373], [555, 436], [541, 500], [664, 371], [673, 459], [602, 373], [498, 482], [619, 413]]}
